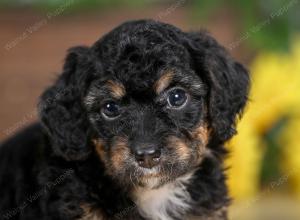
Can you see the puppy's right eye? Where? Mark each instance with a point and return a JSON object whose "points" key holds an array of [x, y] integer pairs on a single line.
{"points": [[110, 110], [177, 98]]}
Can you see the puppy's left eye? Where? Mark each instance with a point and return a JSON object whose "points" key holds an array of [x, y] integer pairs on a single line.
{"points": [[111, 110], [177, 98]]}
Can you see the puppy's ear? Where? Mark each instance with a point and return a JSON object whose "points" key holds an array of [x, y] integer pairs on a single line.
{"points": [[61, 110], [228, 82]]}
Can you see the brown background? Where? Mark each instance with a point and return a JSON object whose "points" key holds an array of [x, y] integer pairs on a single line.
{"points": [[32, 64]]}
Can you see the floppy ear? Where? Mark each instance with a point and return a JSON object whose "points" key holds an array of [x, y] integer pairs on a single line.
{"points": [[228, 82], [61, 111]]}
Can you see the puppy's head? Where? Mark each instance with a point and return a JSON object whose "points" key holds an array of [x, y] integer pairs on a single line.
{"points": [[148, 99]]}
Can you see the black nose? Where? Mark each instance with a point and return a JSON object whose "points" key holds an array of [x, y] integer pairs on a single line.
{"points": [[147, 157]]}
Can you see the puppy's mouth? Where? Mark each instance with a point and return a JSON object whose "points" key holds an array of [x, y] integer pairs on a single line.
{"points": [[156, 176], [150, 172], [151, 178]]}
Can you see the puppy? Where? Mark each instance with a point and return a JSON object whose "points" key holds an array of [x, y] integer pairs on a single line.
{"points": [[134, 128]]}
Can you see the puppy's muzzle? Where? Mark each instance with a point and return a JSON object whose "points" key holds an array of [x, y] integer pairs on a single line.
{"points": [[147, 156]]}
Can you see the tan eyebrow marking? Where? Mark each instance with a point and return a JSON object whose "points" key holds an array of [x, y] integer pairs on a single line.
{"points": [[163, 82], [117, 89]]}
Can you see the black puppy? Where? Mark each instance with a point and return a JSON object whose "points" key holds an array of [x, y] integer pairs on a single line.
{"points": [[132, 129]]}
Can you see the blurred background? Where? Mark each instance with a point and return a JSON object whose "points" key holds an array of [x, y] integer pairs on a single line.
{"points": [[264, 174]]}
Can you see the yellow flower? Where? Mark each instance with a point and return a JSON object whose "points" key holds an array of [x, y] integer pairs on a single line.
{"points": [[275, 94]]}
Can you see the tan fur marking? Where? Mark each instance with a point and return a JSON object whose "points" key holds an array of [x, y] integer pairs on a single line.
{"points": [[99, 145], [91, 214], [181, 148], [202, 133], [119, 152], [117, 89], [163, 82]]}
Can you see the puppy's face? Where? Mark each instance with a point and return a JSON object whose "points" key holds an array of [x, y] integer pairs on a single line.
{"points": [[150, 98], [150, 117]]}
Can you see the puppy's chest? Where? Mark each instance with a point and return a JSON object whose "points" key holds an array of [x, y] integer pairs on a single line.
{"points": [[168, 202]]}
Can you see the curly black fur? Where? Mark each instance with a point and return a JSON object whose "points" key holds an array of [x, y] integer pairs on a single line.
{"points": [[51, 170]]}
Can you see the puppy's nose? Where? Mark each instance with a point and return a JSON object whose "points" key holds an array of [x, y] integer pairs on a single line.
{"points": [[147, 157]]}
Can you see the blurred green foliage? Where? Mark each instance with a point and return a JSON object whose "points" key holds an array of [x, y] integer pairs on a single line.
{"points": [[268, 24], [265, 24], [271, 169], [73, 5]]}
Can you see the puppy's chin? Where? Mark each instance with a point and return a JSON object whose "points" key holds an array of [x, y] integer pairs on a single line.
{"points": [[155, 177], [152, 182], [151, 178]]}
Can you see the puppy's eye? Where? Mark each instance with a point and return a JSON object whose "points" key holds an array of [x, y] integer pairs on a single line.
{"points": [[177, 98], [111, 110]]}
